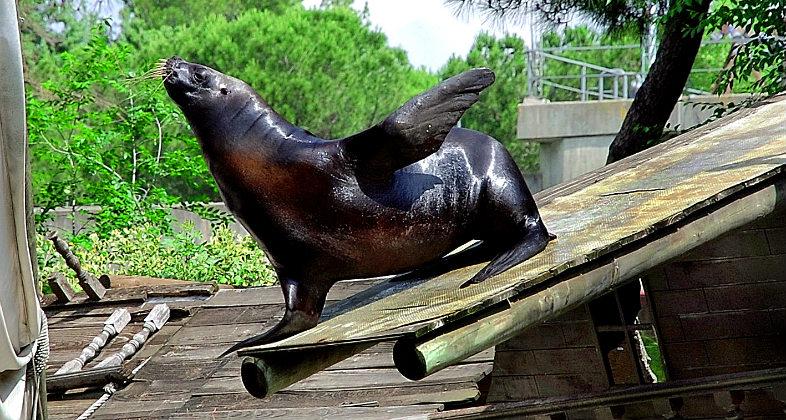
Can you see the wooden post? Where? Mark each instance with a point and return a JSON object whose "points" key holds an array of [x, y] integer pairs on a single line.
{"points": [[269, 373], [156, 319], [89, 284], [112, 327], [61, 288]]}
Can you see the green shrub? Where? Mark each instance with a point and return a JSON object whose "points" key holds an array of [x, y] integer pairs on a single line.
{"points": [[145, 250]]}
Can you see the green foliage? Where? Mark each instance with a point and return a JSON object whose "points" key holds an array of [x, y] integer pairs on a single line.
{"points": [[325, 70], [653, 352], [151, 14], [759, 62], [51, 27], [496, 112], [96, 139], [615, 16], [147, 250]]}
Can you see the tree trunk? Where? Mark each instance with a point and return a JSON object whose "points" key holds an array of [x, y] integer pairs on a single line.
{"points": [[644, 123]]}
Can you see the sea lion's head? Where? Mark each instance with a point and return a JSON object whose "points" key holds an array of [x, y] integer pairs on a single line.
{"points": [[204, 94]]}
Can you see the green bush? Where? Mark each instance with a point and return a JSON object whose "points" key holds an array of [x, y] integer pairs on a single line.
{"points": [[145, 250]]}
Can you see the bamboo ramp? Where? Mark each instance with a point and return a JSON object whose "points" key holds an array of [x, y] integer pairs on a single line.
{"points": [[611, 225]]}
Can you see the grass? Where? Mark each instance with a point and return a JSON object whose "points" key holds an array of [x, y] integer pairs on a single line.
{"points": [[653, 351]]}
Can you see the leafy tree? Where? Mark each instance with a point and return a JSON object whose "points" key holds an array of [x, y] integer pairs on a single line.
{"points": [[49, 28], [650, 110], [90, 150], [680, 38], [325, 70], [496, 111], [758, 62], [151, 14]]}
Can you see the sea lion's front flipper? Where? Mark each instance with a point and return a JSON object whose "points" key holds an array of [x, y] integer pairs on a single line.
{"points": [[304, 304], [418, 128]]}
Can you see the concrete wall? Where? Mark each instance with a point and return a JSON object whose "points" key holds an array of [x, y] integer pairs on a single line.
{"points": [[575, 136], [73, 220]]}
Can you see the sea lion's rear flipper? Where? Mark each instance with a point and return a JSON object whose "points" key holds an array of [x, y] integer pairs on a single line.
{"points": [[525, 248], [304, 304], [418, 128]]}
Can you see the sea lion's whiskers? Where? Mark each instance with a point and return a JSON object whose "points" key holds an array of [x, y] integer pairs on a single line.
{"points": [[157, 72]]}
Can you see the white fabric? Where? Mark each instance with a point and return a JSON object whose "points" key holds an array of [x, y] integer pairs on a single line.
{"points": [[15, 393], [19, 311]]}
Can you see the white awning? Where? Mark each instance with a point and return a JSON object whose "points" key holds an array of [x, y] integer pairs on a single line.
{"points": [[19, 309]]}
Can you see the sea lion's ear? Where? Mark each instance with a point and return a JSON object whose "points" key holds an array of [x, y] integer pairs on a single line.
{"points": [[419, 127]]}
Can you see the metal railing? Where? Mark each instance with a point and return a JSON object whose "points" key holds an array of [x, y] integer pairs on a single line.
{"points": [[611, 83], [589, 81]]}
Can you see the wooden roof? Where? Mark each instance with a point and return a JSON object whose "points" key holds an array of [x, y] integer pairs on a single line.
{"points": [[184, 378]]}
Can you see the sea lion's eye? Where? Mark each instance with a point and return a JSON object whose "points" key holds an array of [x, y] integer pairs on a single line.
{"points": [[198, 77]]}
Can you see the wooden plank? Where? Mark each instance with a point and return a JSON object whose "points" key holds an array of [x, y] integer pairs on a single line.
{"points": [[87, 378], [88, 315], [71, 408], [181, 371], [272, 295], [160, 389], [230, 315], [379, 356], [548, 195], [373, 413], [131, 411], [178, 316], [225, 334], [450, 393], [360, 361], [358, 379], [94, 310], [114, 409], [134, 296]]}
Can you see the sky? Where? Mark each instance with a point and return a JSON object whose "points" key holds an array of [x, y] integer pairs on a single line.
{"points": [[427, 30]]}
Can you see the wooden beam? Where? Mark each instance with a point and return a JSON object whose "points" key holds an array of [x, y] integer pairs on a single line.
{"points": [[89, 284], [61, 288], [90, 378], [266, 375], [622, 396], [418, 358]]}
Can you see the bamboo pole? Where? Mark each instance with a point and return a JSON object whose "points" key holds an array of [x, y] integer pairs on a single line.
{"points": [[416, 359], [269, 373]]}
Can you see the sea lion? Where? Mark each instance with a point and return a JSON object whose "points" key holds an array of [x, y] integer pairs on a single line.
{"points": [[396, 197]]}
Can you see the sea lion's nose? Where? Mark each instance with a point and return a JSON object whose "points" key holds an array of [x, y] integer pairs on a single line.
{"points": [[175, 61]]}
